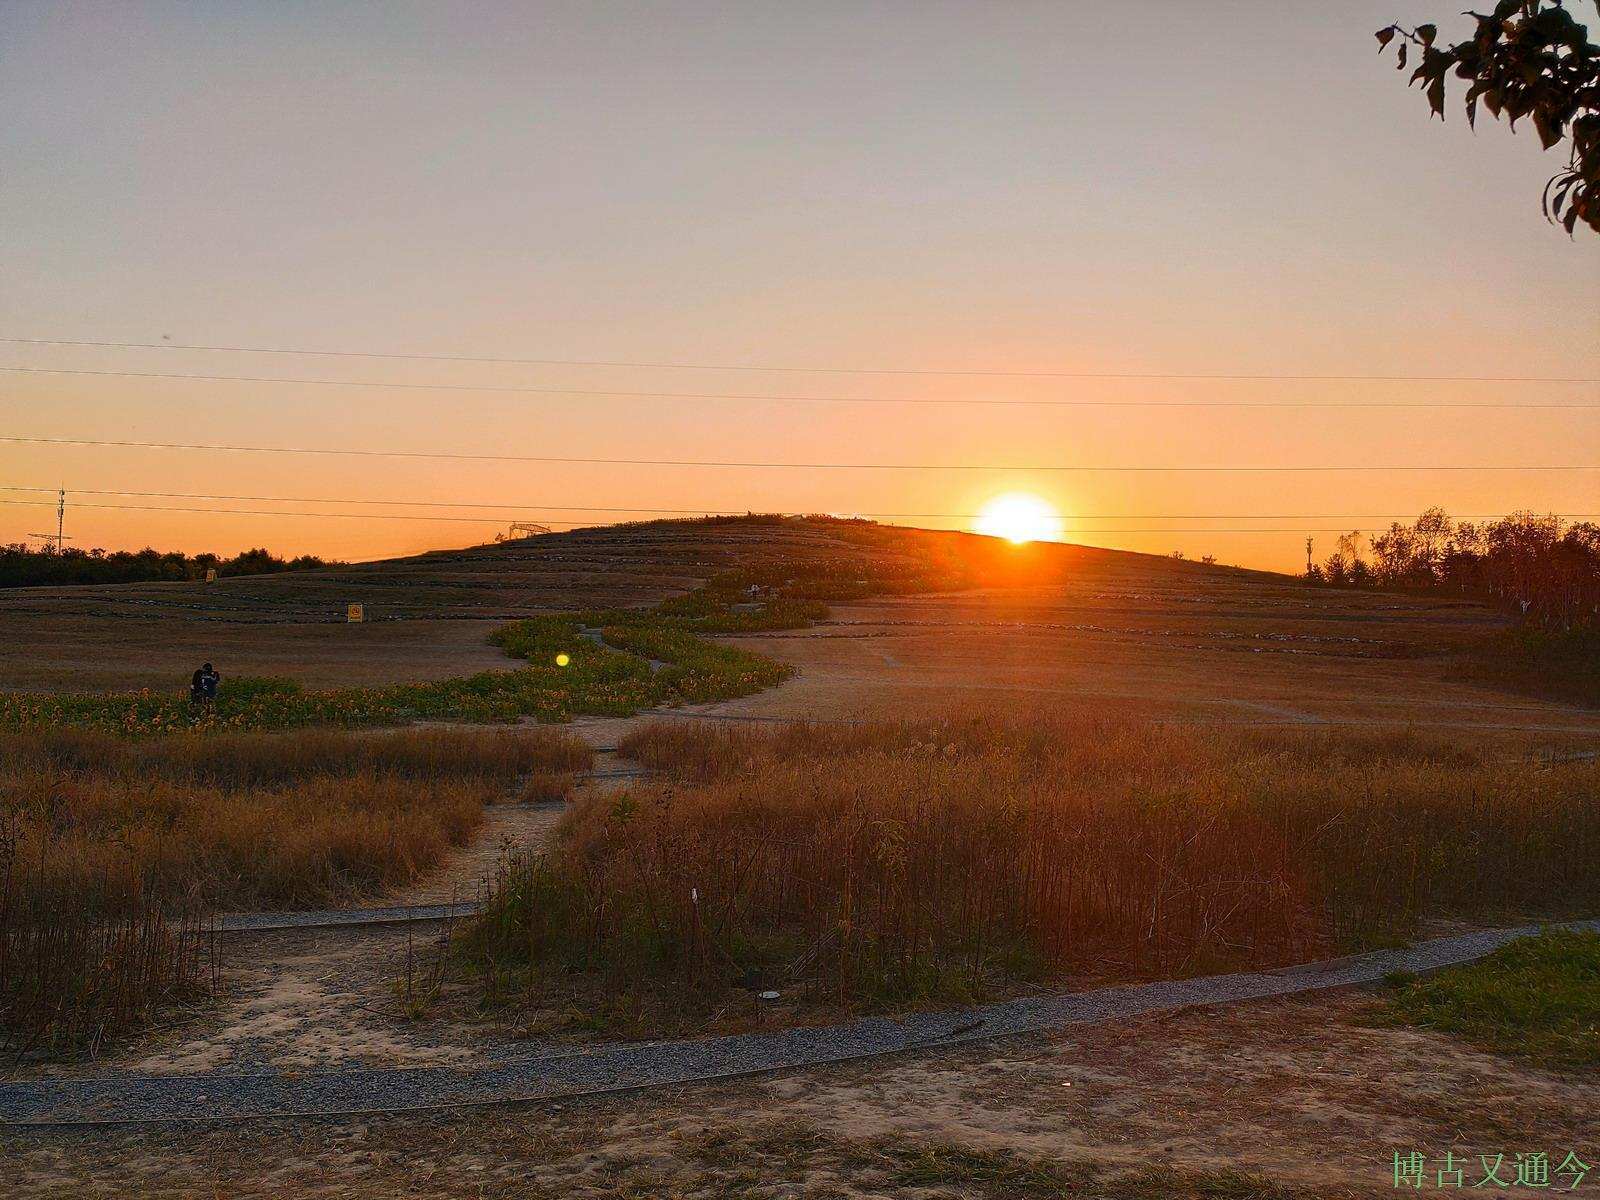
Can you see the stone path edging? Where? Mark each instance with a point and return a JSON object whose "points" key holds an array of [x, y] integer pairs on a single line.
{"points": [[326, 918], [540, 1075]]}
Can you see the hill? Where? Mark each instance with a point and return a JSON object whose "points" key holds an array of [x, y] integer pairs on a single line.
{"points": [[1053, 624]]}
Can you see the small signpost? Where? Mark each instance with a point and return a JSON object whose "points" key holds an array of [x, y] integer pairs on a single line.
{"points": [[355, 614], [211, 574]]}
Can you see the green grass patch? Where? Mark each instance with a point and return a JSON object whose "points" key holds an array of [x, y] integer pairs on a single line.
{"points": [[567, 675], [1538, 998]]}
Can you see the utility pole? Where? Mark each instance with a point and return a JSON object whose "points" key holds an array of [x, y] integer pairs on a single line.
{"points": [[60, 535], [1309, 567]]}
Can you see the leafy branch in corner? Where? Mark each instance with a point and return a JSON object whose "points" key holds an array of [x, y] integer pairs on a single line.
{"points": [[1528, 58]]}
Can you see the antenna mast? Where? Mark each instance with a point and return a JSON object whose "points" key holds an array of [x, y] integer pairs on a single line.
{"points": [[60, 535]]}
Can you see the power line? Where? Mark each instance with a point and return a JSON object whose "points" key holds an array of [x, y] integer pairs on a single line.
{"points": [[513, 506], [267, 512], [803, 370], [259, 512], [461, 456], [1008, 402]]}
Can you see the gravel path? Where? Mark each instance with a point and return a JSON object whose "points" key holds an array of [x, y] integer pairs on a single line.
{"points": [[538, 1074], [394, 914]]}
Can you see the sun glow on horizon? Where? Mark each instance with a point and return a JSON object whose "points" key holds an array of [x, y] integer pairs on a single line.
{"points": [[1019, 517]]}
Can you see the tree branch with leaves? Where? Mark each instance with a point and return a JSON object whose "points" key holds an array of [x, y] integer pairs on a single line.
{"points": [[1527, 59]]}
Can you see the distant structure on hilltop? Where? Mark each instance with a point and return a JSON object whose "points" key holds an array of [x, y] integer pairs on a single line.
{"points": [[521, 529]]}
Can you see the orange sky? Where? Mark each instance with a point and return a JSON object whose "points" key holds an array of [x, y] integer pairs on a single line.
{"points": [[1010, 187]]}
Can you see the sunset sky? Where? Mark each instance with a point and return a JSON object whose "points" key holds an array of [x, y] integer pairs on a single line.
{"points": [[1184, 189]]}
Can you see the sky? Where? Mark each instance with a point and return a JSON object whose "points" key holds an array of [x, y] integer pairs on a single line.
{"points": [[865, 191]]}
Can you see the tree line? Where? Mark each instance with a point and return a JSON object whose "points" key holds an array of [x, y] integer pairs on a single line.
{"points": [[1540, 567], [22, 567]]}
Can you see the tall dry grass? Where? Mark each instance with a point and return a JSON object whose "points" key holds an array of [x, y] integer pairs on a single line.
{"points": [[238, 759], [113, 853], [902, 861], [78, 968]]}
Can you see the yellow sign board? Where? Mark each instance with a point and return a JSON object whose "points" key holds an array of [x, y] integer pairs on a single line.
{"points": [[355, 614], [211, 574]]}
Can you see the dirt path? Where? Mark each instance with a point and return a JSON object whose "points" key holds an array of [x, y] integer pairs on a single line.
{"points": [[465, 874], [296, 999], [1306, 1091], [555, 1073]]}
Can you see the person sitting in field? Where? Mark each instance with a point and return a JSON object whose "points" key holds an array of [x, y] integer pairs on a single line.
{"points": [[203, 685]]}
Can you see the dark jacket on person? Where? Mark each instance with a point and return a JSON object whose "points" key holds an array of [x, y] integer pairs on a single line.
{"points": [[203, 684]]}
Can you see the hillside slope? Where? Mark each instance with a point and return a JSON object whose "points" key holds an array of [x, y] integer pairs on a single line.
{"points": [[1115, 630]]}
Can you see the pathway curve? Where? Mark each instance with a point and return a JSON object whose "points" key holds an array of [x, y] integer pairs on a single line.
{"points": [[330, 989], [539, 1074]]}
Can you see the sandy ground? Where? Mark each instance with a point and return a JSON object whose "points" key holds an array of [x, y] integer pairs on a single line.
{"points": [[1305, 1096]]}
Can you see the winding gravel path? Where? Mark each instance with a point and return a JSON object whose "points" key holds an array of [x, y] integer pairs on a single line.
{"points": [[538, 1074]]}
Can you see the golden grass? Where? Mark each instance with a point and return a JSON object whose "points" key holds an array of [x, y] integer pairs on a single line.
{"points": [[112, 852], [251, 820], [547, 787], [900, 862]]}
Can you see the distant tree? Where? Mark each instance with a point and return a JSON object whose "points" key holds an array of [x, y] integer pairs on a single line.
{"points": [[253, 562], [1528, 58], [1535, 565], [1346, 566], [22, 567], [1412, 555]]}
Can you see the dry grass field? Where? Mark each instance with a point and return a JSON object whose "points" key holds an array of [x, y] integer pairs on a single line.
{"points": [[867, 867], [114, 852], [1263, 691], [51, 651]]}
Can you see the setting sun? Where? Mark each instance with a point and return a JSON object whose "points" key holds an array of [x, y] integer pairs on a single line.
{"points": [[1019, 517]]}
